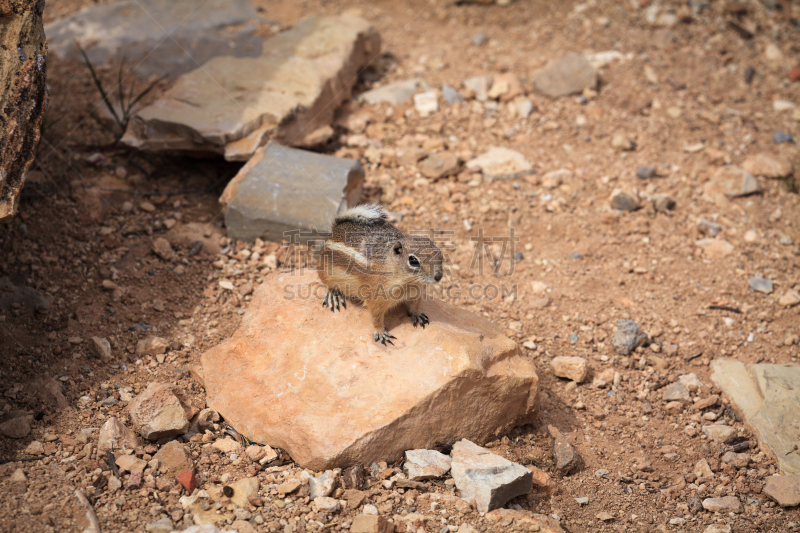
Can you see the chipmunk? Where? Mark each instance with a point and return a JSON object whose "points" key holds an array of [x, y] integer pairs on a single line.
{"points": [[368, 259]]}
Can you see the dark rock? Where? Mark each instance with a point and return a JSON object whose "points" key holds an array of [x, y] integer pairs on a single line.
{"points": [[353, 477], [781, 137], [628, 337], [622, 201], [646, 172]]}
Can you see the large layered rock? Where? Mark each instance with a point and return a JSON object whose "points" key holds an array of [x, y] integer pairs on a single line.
{"points": [[284, 189], [316, 384], [231, 106], [158, 38], [23, 94], [767, 396]]}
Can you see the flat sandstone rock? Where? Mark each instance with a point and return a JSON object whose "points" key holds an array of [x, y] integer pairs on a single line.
{"points": [[315, 383], [233, 105], [767, 397]]}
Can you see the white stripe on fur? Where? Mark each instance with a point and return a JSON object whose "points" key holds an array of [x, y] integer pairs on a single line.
{"points": [[355, 255]]}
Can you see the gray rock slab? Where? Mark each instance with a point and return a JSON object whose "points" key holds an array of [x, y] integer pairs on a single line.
{"points": [[394, 93], [450, 95], [485, 478], [676, 392], [158, 38], [766, 395], [760, 284], [628, 337], [284, 189], [425, 464], [569, 75], [288, 94]]}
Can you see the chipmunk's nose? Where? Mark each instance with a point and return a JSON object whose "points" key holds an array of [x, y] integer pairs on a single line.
{"points": [[437, 276]]}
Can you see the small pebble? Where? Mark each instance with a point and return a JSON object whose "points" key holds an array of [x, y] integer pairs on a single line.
{"points": [[645, 172]]}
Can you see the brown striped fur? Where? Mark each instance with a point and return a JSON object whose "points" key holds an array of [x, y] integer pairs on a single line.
{"points": [[367, 259]]}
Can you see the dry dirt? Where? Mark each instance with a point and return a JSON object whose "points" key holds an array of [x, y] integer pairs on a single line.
{"points": [[88, 218]]}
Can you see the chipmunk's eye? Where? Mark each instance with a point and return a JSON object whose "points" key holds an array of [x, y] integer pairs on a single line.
{"points": [[413, 262]]}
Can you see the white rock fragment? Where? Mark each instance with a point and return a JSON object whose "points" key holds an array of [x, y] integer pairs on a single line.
{"points": [[487, 479], [425, 464]]}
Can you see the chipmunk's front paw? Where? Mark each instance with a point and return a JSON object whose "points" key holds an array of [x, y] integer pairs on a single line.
{"points": [[384, 337], [333, 299], [419, 318]]}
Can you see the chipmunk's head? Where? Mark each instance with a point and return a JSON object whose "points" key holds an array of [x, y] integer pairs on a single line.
{"points": [[418, 257]]}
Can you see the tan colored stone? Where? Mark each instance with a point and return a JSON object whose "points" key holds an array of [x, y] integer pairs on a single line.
{"points": [[163, 249], [439, 165], [571, 74], [730, 182], [159, 411], [768, 165], [725, 504], [151, 346], [527, 520], [348, 399], [715, 248], [242, 490], [131, 463], [706, 402], [227, 445], [101, 349], [505, 87], [574, 368], [367, 523], [115, 436], [173, 458], [790, 298], [783, 489], [291, 90], [187, 234]]}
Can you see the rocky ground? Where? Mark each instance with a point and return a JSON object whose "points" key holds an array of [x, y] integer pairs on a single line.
{"points": [[103, 247]]}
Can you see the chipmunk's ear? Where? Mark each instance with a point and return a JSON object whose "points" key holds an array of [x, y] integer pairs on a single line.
{"points": [[398, 248]]}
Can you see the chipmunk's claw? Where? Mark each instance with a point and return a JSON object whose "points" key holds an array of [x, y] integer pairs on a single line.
{"points": [[334, 299], [419, 318], [384, 337]]}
